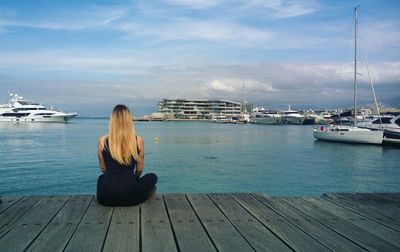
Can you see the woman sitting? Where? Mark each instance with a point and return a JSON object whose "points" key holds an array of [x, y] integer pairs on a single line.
{"points": [[121, 159]]}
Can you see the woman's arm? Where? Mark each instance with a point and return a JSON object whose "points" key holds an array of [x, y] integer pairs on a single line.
{"points": [[140, 163], [102, 164]]}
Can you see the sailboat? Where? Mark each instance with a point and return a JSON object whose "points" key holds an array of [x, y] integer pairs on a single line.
{"points": [[350, 134]]}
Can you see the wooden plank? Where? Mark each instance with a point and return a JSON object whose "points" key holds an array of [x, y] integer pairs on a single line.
{"points": [[31, 224], [256, 234], [91, 231], [382, 209], [10, 216], [379, 206], [286, 231], [124, 231], [365, 212], [392, 196], [356, 234], [323, 234], [371, 226], [190, 235], [156, 228], [7, 201], [223, 234], [57, 234], [381, 198]]}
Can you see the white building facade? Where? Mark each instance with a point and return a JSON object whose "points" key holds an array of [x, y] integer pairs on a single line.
{"points": [[198, 108]]}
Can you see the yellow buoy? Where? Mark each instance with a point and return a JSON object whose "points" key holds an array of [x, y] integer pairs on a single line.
{"points": [[156, 139]]}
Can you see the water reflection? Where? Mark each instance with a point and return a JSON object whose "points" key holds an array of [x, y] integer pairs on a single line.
{"points": [[8, 126], [278, 160]]}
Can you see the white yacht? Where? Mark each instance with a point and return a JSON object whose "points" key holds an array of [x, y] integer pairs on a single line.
{"points": [[348, 134], [292, 117], [389, 124], [19, 109], [266, 118], [382, 123], [219, 118], [351, 134]]}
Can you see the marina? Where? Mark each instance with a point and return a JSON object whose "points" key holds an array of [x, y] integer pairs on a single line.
{"points": [[203, 222], [196, 156], [237, 126]]}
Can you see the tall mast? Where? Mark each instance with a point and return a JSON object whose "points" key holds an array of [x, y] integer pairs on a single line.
{"points": [[355, 62], [244, 95], [244, 100]]}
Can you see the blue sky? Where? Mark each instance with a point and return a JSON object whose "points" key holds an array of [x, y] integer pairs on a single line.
{"points": [[87, 56]]}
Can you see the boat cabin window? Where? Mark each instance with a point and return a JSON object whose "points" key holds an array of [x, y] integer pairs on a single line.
{"points": [[338, 129], [15, 114], [383, 119], [27, 103], [397, 122], [44, 114], [25, 109]]}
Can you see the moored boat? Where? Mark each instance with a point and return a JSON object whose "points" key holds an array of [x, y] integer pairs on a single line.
{"points": [[292, 117], [268, 118], [21, 110], [350, 134], [389, 124]]}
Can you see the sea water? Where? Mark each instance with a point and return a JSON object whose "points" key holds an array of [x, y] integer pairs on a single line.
{"points": [[188, 157]]}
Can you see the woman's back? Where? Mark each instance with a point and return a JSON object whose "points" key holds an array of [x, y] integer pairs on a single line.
{"points": [[118, 178]]}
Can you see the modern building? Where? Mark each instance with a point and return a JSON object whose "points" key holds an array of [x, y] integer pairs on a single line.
{"points": [[198, 108]]}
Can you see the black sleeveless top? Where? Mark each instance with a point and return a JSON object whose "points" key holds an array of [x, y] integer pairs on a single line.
{"points": [[118, 178]]}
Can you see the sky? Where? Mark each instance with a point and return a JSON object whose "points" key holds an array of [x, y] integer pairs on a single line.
{"points": [[87, 56]]}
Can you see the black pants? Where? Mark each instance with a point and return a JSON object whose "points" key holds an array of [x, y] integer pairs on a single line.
{"points": [[136, 195]]}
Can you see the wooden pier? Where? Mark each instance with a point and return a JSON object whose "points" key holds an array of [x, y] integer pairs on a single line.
{"points": [[203, 222]]}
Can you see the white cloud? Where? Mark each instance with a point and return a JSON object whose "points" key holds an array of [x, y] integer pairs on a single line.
{"points": [[218, 86], [93, 17], [195, 4], [279, 9], [187, 30], [129, 81], [381, 34]]}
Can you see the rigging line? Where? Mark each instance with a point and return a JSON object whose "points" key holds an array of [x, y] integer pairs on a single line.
{"points": [[369, 74]]}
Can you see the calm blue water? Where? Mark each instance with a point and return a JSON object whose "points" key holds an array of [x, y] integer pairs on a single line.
{"points": [[196, 157]]}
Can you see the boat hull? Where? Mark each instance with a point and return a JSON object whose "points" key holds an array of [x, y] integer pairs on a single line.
{"points": [[391, 136], [350, 135], [293, 120], [268, 120], [34, 119]]}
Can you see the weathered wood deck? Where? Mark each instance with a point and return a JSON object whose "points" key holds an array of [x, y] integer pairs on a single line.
{"points": [[203, 222]]}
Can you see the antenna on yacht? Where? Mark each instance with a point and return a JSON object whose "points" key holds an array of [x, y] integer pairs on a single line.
{"points": [[244, 95]]}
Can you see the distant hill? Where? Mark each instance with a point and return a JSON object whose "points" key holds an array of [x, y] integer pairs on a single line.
{"points": [[393, 102]]}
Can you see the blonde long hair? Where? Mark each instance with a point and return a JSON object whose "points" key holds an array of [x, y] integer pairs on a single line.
{"points": [[122, 142]]}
